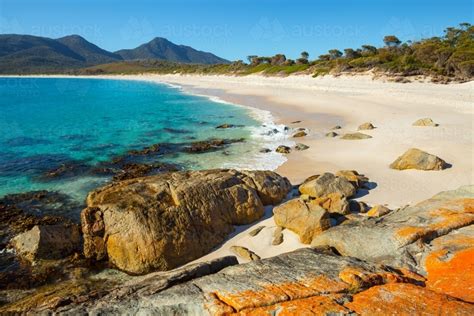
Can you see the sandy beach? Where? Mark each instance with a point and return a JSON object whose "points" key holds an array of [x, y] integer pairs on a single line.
{"points": [[348, 101], [321, 103]]}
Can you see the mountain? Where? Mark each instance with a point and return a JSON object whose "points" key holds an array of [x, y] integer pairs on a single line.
{"points": [[92, 54], [162, 49], [23, 54]]}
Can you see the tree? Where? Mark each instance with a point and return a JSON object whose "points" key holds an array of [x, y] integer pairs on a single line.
{"points": [[368, 50], [324, 57], [278, 59], [252, 58], [351, 54], [464, 26], [391, 41], [304, 55], [335, 53]]}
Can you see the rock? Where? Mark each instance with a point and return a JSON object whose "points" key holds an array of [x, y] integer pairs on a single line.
{"points": [[417, 159], [406, 236], [358, 180], [210, 145], [254, 232], [300, 134], [283, 149], [378, 211], [244, 253], [306, 219], [277, 236], [226, 125], [295, 122], [333, 203], [326, 184], [357, 206], [301, 147], [336, 127], [302, 281], [48, 242], [406, 299], [425, 122], [163, 221], [265, 150], [136, 170], [355, 136], [332, 134], [366, 126]]}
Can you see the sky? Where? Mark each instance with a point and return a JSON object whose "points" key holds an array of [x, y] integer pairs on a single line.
{"points": [[234, 29]]}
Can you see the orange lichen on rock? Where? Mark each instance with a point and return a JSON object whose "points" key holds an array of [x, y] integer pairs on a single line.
{"points": [[452, 271], [277, 293], [358, 278], [406, 299], [449, 220], [315, 305]]}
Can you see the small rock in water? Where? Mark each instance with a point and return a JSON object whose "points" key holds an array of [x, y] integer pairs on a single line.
{"points": [[283, 149], [277, 236], [355, 136], [337, 127], [332, 134], [425, 122], [366, 126], [255, 231], [244, 253], [295, 122], [223, 126], [300, 134], [265, 150], [301, 147]]}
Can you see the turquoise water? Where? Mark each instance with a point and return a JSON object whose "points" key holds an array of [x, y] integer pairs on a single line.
{"points": [[47, 122]]}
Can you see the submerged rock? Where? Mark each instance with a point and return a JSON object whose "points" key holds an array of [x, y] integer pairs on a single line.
{"points": [[210, 145], [355, 136], [135, 170], [283, 149], [417, 159], [226, 125], [425, 122], [163, 221]]}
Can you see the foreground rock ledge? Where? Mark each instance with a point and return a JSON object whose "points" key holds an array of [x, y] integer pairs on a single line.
{"points": [[163, 221]]}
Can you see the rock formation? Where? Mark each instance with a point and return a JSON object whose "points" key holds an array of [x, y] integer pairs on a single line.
{"points": [[355, 136], [161, 222]]}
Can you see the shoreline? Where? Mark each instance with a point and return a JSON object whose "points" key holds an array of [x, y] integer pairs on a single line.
{"points": [[321, 103]]}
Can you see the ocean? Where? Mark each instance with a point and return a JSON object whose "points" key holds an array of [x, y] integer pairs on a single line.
{"points": [[59, 134]]}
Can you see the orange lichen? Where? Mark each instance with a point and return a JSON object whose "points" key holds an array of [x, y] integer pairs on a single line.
{"points": [[358, 278], [446, 221], [277, 293], [452, 271], [315, 305], [406, 299]]}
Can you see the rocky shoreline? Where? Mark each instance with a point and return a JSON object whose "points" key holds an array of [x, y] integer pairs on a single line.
{"points": [[358, 259]]}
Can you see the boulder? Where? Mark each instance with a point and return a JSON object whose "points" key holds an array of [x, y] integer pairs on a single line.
{"points": [[355, 136], [277, 236], [163, 221], [417, 159], [358, 180], [301, 147], [357, 206], [300, 134], [378, 211], [244, 253], [306, 219], [366, 126], [333, 203], [332, 134], [326, 184], [48, 242], [283, 149], [425, 122]]}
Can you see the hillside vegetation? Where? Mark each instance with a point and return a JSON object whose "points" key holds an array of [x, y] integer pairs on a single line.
{"points": [[444, 58]]}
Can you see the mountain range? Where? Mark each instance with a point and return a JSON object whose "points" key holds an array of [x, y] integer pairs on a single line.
{"points": [[33, 54]]}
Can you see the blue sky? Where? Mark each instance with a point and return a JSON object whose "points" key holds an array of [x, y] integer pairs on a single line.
{"points": [[234, 29]]}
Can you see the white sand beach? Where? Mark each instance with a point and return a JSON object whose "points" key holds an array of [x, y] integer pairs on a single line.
{"points": [[348, 101]]}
